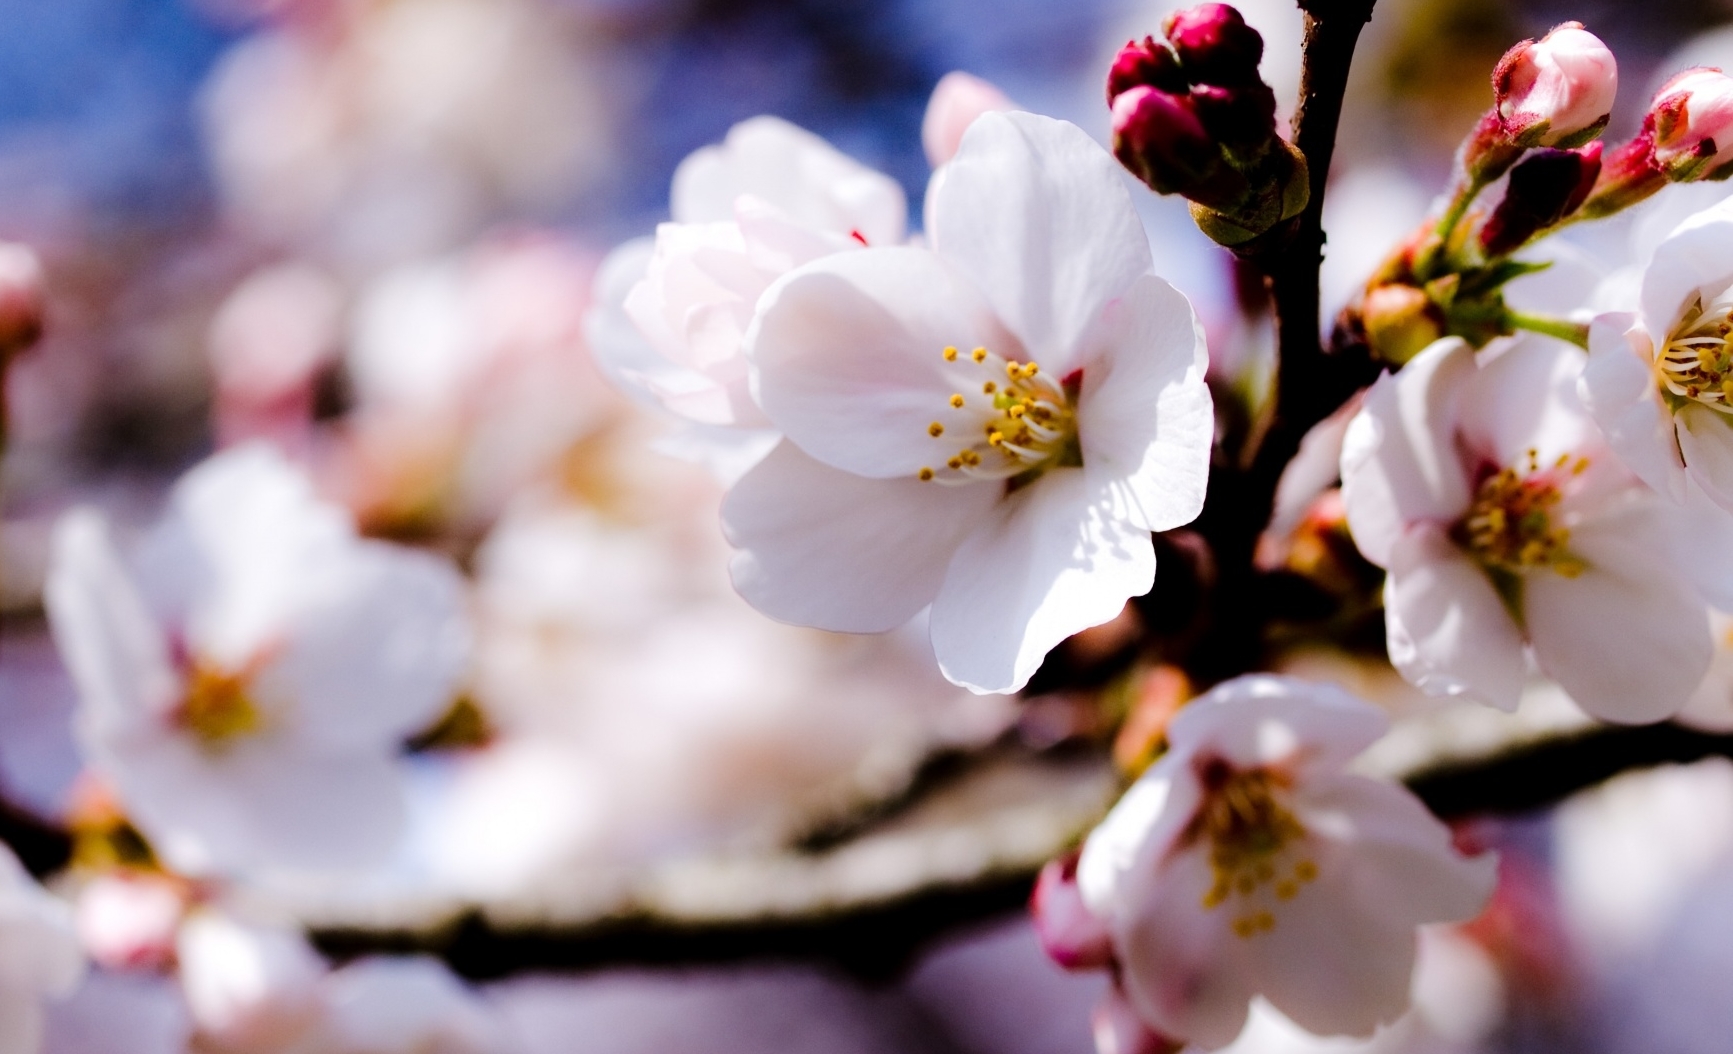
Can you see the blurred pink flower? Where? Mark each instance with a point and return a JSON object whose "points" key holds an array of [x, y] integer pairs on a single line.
{"points": [[956, 101]]}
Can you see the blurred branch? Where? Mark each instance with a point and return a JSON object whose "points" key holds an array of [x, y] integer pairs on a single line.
{"points": [[42, 847]]}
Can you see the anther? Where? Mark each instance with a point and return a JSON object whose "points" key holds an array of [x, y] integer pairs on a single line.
{"points": [[956, 401], [979, 354], [950, 354], [925, 474], [935, 430]]}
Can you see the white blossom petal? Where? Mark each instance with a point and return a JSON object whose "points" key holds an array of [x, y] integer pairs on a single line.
{"points": [[1038, 215], [827, 548], [1628, 638], [1618, 386], [1399, 458], [1691, 261], [1706, 442], [1448, 631], [1056, 557], [1525, 399], [848, 359], [1145, 415]]}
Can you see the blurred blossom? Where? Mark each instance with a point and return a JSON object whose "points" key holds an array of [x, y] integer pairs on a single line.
{"points": [[1034, 347], [21, 298], [39, 955], [957, 100], [470, 382], [129, 920], [380, 131], [769, 198], [251, 989], [267, 343], [657, 716], [246, 678]]}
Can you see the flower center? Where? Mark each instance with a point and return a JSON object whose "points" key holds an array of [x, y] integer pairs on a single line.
{"points": [[1697, 361], [216, 708], [1511, 527], [1252, 838], [1006, 420]]}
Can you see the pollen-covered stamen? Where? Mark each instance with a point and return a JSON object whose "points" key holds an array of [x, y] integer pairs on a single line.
{"points": [[1254, 841], [1696, 363], [216, 706], [1015, 422], [1513, 524]]}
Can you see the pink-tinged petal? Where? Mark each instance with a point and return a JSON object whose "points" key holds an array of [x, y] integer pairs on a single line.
{"points": [[1134, 838], [1692, 261], [1400, 462], [1181, 966], [1071, 935], [1117, 1029], [1618, 387], [1448, 631], [848, 358], [1056, 557], [777, 243], [1628, 638], [697, 294], [1145, 417], [957, 101], [1263, 720], [826, 548], [1525, 398], [1706, 443], [795, 171], [377, 653], [116, 653], [1038, 215]]}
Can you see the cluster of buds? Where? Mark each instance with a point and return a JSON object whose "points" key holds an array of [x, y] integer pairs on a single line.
{"points": [[1191, 117], [1555, 92], [1687, 135]]}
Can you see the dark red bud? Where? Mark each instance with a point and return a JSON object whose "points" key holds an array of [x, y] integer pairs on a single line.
{"points": [[1545, 188], [1158, 136], [1214, 45], [1241, 119], [1144, 64]]}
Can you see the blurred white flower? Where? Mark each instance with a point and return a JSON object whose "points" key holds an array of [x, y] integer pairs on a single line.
{"points": [[251, 989], [1660, 382], [390, 130], [769, 198], [128, 920], [1486, 491], [246, 684], [956, 101], [929, 458], [470, 380], [39, 955], [1246, 862], [267, 343]]}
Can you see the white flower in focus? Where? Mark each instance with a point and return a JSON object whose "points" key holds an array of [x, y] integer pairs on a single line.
{"points": [[246, 683], [670, 321], [39, 955], [1487, 493], [992, 427], [1660, 382], [1246, 862]]}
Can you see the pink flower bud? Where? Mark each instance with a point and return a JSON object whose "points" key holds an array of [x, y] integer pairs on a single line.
{"points": [[21, 298], [1070, 933], [1214, 45], [1144, 64], [1693, 124], [1556, 91], [1159, 137], [957, 100]]}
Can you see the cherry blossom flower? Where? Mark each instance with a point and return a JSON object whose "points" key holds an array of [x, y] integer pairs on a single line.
{"points": [[246, 682], [39, 955], [1246, 863], [1487, 493], [1660, 381], [992, 426], [769, 198]]}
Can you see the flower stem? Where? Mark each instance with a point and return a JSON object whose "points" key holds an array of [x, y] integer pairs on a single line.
{"points": [[1563, 328]]}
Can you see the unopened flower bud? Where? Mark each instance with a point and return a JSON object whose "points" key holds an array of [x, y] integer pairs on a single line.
{"points": [[1548, 186], [1070, 934], [1241, 119], [1144, 64], [1160, 138], [1558, 90], [21, 298], [957, 100], [1399, 321], [1214, 45], [1693, 125]]}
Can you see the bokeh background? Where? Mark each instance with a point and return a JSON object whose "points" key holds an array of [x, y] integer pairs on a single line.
{"points": [[217, 186]]}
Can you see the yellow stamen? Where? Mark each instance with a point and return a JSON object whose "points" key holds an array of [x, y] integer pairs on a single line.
{"points": [[935, 430]]}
